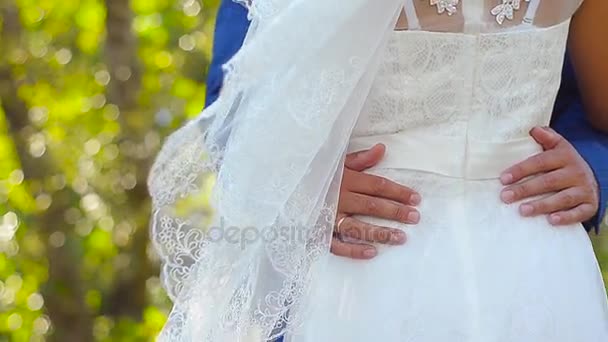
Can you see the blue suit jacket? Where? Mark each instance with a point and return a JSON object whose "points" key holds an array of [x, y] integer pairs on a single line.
{"points": [[569, 116]]}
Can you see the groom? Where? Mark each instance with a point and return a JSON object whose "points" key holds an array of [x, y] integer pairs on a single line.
{"points": [[579, 154]]}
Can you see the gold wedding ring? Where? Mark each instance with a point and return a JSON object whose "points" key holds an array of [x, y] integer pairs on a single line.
{"points": [[340, 221]]}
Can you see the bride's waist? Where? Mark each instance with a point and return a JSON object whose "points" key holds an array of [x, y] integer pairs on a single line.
{"points": [[459, 157]]}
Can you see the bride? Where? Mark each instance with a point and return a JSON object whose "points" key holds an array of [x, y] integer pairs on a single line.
{"points": [[452, 90]]}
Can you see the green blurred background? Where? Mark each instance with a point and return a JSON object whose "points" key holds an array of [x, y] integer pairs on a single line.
{"points": [[88, 90]]}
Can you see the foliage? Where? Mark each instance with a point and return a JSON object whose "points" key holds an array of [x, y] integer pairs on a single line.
{"points": [[88, 90]]}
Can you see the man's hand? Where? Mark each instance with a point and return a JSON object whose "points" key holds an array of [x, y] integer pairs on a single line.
{"points": [[559, 171], [369, 195]]}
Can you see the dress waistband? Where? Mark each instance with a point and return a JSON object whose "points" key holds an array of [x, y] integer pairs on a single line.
{"points": [[457, 157]]}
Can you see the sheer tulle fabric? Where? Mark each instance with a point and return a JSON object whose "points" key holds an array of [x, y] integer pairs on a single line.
{"points": [[243, 269]]}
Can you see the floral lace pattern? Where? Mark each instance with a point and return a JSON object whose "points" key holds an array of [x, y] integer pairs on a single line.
{"points": [[502, 11], [448, 6], [506, 10], [431, 85]]}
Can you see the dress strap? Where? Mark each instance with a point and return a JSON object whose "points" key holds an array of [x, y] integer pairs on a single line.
{"points": [[413, 23], [472, 11], [531, 12]]}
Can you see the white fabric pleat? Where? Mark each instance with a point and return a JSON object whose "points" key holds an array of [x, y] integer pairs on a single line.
{"points": [[459, 157]]}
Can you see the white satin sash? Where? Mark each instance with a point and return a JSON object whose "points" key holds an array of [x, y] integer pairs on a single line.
{"points": [[457, 157]]}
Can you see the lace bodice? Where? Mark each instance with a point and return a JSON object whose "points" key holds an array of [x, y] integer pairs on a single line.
{"points": [[487, 86]]}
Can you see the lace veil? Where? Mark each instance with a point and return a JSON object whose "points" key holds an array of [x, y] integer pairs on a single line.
{"points": [[241, 265]]}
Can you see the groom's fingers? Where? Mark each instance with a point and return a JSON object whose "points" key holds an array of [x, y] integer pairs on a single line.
{"points": [[539, 185], [358, 204], [377, 186], [546, 137], [572, 205], [543, 162], [560, 201], [575, 215], [353, 228], [352, 250], [365, 159], [558, 152]]}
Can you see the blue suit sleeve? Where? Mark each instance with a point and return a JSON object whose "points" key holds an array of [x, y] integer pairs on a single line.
{"points": [[230, 30], [592, 145]]}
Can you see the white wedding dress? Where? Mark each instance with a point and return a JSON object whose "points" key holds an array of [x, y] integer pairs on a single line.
{"points": [[455, 110], [452, 95]]}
